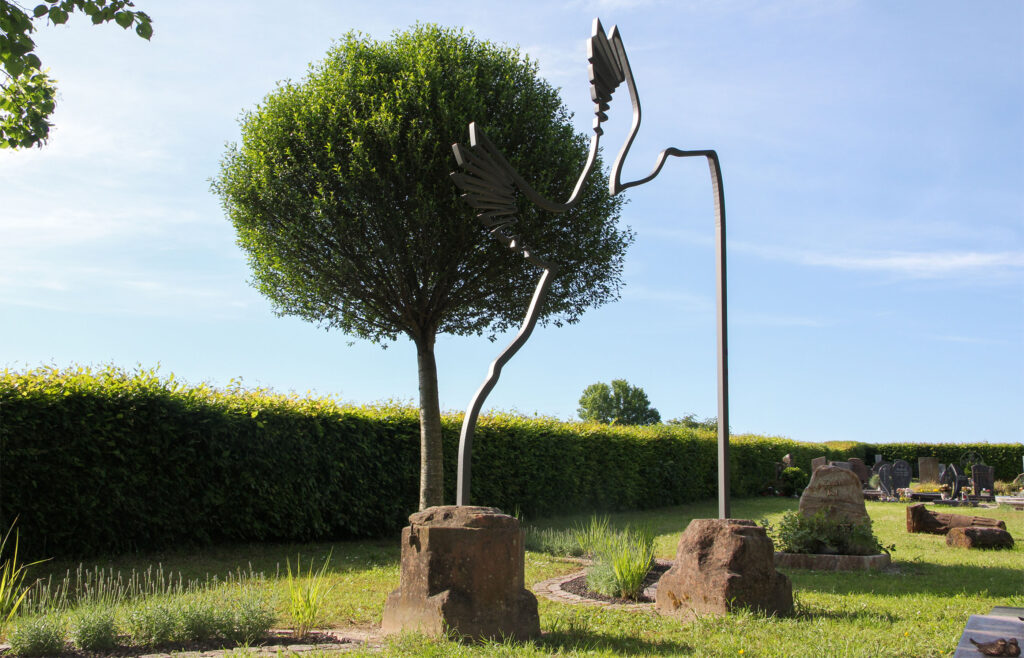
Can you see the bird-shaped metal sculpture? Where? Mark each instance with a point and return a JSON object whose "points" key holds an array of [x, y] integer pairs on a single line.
{"points": [[490, 184], [1000, 647]]}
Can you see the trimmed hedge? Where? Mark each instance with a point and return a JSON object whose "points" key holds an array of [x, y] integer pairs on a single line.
{"points": [[108, 461]]}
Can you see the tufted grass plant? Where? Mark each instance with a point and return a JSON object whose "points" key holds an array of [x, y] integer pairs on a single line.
{"points": [[553, 541], [622, 558], [306, 596], [151, 623], [12, 578]]}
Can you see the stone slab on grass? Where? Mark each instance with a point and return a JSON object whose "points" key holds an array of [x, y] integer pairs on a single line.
{"points": [[832, 562], [987, 628]]}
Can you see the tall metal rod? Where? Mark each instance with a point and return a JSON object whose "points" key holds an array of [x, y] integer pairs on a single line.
{"points": [[473, 410]]}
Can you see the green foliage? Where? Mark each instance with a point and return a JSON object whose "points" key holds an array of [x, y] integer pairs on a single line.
{"points": [[551, 541], [341, 198], [691, 421], [794, 480], [94, 628], [108, 461], [27, 95], [12, 579], [199, 618], [622, 558], [248, 615], [151, 622], [42, 635], [619, 404], [820, 534], [306, 596]]}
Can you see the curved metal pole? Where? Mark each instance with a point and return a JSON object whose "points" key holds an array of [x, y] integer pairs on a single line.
{"points": [[473, 410], [615, 185]]}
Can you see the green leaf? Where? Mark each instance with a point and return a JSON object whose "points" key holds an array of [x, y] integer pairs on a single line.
{"points": [[58, 16], [39, 11], [144, 30], [124, 19]]}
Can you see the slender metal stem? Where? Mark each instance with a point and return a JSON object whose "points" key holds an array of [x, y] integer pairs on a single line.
{"points": [[473, 411]]}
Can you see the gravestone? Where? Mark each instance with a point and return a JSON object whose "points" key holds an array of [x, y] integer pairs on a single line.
{"points": [[901, 474], [860, 469], [818, 462], [928, 469], [984, 478], [846, 466], [942, 471], [837, 492], [463, 570], [975, 537], [885, 481], [921, 519], [878, 458], [877, 466], [721, 565], [951, 478]]}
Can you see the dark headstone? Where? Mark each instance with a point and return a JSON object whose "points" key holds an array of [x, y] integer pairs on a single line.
{"points": [[860, 469], [901, 474], [818, 462], [462, 569], [885, 481], [975, 537], [928, 469], [951, 478], [878, 458], [721, 565], [837, 492], [942, 469], [984, 478], [846, 466], [877, 466], [921, 519]]}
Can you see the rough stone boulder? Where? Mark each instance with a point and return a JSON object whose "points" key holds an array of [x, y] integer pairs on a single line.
{"points": [[836, 491], [921, 519], [975, 537], [462, 569], [720, 565]]}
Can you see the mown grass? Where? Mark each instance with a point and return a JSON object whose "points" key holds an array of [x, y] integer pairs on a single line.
{"points": [[916, 608]]}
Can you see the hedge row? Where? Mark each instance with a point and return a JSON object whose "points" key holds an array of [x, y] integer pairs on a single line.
{"points": [[108, 461]]}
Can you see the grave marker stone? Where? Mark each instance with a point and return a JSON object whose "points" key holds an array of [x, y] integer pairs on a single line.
{"points": [[928, 469], [817, 463], [860, 469], [835, 491], [984, 478], [878, 458], [846, 466], [901, 474], [877, 466], [885, 481]]}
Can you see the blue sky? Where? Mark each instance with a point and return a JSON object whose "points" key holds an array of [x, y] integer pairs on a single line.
{"points": [[873, 157]]}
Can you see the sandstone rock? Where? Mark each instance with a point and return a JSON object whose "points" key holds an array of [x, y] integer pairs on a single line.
{"points": [[921, 519], [720, 565], [837, 492], [975, 537], [463, 569], [818, 462]]}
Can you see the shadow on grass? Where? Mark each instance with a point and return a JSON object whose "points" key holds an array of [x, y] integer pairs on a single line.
{"points": [[558, 642], [917, 577]]}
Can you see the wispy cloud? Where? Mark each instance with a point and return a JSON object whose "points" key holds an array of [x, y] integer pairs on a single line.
{"points": [[924, 265]]}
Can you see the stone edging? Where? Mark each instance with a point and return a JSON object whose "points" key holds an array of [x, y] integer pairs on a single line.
{"points": [[552, 589], [832, 562]]}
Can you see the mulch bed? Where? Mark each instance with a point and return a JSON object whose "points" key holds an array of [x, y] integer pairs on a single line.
{"points": [[578, 586]]}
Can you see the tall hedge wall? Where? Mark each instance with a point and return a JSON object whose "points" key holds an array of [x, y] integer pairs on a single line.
{"points": [[107, 461]]}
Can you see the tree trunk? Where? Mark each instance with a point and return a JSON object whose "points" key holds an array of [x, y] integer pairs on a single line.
{"points": [[431, 456]]}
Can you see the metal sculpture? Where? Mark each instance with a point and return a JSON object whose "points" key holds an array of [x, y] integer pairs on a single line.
{"points": [[489, 184]]}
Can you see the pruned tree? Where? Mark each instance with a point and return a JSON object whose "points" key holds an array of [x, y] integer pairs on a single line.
{"points": [[340, 196], [619, 404], [27, 94]]}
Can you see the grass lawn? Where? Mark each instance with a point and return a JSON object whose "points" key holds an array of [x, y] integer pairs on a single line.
{"points": [[918, 607]]}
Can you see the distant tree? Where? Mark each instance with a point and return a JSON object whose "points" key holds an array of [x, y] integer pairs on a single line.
{"points": [[619, 403], [340, 195], [27, 94], [691, 421]]}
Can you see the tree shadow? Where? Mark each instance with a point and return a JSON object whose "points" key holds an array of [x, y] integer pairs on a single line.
{"points": [[568, 642]]}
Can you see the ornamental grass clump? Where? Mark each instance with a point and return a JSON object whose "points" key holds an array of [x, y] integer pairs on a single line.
{"points": [[621, 558], [12, 578], [306, 596], [552, 541], [247, 615], [151, 623]]}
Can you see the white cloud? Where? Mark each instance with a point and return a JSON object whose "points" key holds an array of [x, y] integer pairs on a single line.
{"points": [[922, 265]]}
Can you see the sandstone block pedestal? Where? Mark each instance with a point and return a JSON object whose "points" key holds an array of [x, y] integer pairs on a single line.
{"points": [[837, 492], [720, 565], [463, 570]]}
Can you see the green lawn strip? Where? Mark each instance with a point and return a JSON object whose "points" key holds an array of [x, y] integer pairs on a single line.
{"points": [[918, 607]]}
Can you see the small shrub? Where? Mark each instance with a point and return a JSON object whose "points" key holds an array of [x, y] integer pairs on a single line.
{"points": [[247, 616], [198, 619], [94, 629], [151, 623], [819, 534], [306, 596], [793, 480], [38, 636]]}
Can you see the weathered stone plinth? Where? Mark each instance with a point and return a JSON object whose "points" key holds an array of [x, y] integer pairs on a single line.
{"points": [[977, 537], [720, 565], [462, 569]]}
